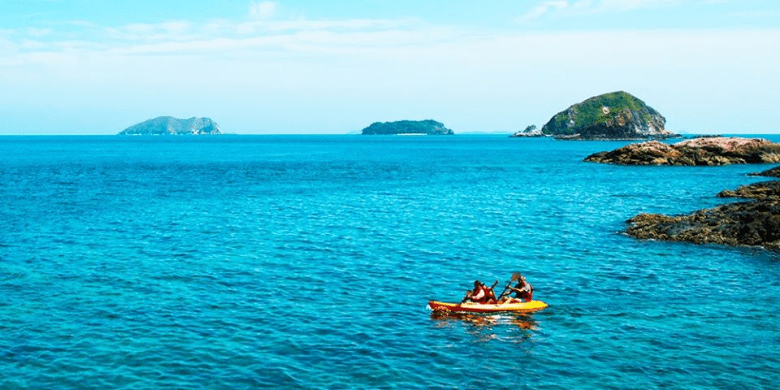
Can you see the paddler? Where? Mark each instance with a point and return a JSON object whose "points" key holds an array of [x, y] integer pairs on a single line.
{"points": [[481, 293], [523, 289]]}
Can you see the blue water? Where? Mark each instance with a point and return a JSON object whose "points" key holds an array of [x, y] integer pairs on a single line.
{"points": [[240, 262]]}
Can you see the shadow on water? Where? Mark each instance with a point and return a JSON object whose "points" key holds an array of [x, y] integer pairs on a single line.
{"points": [[513, 327]]}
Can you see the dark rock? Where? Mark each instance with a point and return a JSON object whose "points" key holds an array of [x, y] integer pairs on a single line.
{"points": [[698, 151], [774, 172], [754, 223], [611, 116], [769, 190], [166, 125], [428, 127]]}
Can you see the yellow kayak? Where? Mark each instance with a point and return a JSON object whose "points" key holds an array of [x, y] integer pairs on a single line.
{"points": [[516, 306]]}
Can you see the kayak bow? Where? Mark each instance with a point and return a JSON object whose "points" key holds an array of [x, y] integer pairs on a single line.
{"points": [[473, 307]]}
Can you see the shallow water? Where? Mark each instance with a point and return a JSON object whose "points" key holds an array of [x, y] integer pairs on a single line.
{"points": [[307, 262]]}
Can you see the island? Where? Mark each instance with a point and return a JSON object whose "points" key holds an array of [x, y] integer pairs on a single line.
{"points": [[166, 125], [406, 127], [697, 151], [612, 116]]}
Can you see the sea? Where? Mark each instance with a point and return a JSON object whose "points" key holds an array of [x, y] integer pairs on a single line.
{"points": [[307, 262]]}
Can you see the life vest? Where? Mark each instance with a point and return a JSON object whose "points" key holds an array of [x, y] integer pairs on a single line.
{"points": [[483, 295]]}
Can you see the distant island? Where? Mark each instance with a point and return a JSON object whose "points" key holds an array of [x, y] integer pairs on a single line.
{"points": [[612, 116], [167, 125], [425, 127], [529, 132]]}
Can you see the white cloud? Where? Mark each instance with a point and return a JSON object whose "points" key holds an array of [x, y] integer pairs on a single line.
{"points": [[542, 9], [262, 9], [589, 7]]}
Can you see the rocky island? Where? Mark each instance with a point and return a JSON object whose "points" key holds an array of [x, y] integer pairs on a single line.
{"points": [[166, 125], [425, 127], [529, 132], [697, 151], [612, 116]]}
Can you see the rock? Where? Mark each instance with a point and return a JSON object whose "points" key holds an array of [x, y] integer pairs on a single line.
{"points": [[774, 172], [530, 131], [769, 190], [166, 125], [698, 151], [612, 116], [754, 223], [428, 127]]}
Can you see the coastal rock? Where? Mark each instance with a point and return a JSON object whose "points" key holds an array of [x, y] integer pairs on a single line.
{"points": [[769, 190], [698, 151], [754, 223], [428, 127], [612, 116], [774, 172], [166, 125]]}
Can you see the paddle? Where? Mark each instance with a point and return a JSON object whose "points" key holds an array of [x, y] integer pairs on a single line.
{"points": [[515, 277]]}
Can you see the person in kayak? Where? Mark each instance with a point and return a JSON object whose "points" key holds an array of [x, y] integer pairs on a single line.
{"points": [[481, 293], [522, 290]]}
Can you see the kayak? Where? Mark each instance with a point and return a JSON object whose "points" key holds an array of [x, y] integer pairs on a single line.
{"points": [[473, 307]]}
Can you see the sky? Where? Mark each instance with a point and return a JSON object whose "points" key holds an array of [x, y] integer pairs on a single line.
{"points": [[335, 67]]}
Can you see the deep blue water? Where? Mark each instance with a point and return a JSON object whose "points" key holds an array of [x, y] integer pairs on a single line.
{"points": [[239, 262]]}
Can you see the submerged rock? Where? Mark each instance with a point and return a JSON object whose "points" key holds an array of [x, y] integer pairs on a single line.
{"points": [[611, 116], [167, 125], [427, 127], [698, 151]]}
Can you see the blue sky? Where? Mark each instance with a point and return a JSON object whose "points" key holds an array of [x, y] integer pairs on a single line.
{"points": [[309, 67]]}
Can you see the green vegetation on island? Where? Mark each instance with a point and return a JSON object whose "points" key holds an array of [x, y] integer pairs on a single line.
{"points": [[166, 125], [616, 115], [428, 127]]}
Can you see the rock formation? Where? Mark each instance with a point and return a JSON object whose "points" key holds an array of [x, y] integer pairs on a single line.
{"points": [[755, 223], [774, 172], [698, 151], [768, 190], [616, 115], [530, 131], [166, 125], [428, 127], [746, 223]]}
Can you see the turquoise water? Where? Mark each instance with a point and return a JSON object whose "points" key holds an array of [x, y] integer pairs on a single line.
{"points": [[240, 262]]}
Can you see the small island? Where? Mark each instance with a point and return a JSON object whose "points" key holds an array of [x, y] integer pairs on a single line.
{"points": [[697, 151], [166, 125], [612, 116], [530, 132], [406, 127]]}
